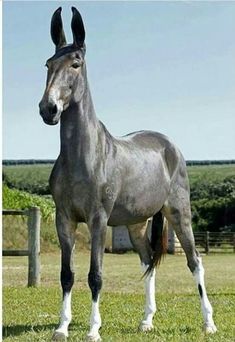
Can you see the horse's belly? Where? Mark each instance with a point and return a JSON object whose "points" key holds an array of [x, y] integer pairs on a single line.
{"points": [[137, 203], [123, 216]]}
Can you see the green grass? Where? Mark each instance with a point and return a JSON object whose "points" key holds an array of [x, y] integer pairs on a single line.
{"points": [[31, 314]]}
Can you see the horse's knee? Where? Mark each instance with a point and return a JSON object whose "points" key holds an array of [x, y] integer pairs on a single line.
{"points": [[95, 284], [67, 280]]}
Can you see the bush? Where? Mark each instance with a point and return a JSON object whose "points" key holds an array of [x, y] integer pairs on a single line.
{"points": [[213, 205], [16, 199], [212, 189]]}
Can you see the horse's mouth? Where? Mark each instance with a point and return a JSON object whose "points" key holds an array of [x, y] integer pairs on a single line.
{"points": [[51, 122]]}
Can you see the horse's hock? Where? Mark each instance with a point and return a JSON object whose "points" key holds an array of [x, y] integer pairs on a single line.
{"points": [[121, 241]]}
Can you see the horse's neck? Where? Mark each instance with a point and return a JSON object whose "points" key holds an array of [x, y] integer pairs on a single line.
{"points": [[79, 131]]}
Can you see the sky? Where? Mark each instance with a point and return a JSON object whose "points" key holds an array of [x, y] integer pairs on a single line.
{"points": [[162, 66]]}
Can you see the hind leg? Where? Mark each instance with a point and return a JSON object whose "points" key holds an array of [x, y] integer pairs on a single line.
{"points": [[207, 310], [141, 243], [178, 213]]}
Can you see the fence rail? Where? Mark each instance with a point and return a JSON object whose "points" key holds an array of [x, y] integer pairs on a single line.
{"points": [[216, 242], [33, 251]]}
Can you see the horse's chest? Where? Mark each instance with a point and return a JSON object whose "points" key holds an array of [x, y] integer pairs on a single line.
{"points": [[66, 187], [89, 194]]}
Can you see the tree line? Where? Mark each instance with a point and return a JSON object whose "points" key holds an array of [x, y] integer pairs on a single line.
{"points": [[52, 161]]}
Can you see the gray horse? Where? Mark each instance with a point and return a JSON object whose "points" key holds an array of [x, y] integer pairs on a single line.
{"points": [[102, 180]]}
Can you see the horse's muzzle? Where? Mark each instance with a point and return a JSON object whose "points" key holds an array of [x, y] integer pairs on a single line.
{"points": [[49, 112]]}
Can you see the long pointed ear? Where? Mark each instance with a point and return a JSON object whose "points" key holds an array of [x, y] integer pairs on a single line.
{"points": [[77, 28], [57, 32]]}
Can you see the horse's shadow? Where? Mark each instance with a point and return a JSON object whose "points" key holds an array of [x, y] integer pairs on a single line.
{"points": [[17, 330]]}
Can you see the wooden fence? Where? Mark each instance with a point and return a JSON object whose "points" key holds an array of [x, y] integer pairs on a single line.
{"points": [[33, 251], [206, 242], [215, 242]]}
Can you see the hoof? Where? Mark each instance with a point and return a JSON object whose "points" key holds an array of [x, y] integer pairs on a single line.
{"points": [[144, 327], [59, 336], [93, 338], [210, 328]]}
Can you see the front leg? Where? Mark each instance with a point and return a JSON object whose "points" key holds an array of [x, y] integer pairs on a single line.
{"points": [[65, 230], [98, 228]]}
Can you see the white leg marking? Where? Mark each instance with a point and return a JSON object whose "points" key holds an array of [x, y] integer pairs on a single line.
{"points": [[65, 316], [95, 322], [150, 304], [207, 311]]}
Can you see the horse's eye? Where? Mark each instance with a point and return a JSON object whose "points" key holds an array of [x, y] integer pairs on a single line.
{"points": [[76, 65]]}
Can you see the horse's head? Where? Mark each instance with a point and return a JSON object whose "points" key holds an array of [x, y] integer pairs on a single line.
{"points": [[65, 76]]}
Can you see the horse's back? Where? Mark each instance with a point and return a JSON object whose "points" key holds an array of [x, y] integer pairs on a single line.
{"points": [[171, 157], [148, 141]]}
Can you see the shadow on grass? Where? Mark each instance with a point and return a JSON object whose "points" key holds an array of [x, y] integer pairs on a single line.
{"points": [[16, 330], [20, 329], [128, 331], [178, 331]]}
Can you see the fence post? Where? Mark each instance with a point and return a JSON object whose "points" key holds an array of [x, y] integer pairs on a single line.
{"points": [[207, 245], [34, 218], [233, 242]]}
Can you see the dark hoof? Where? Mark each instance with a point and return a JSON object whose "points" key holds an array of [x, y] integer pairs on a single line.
{"points": [[59, 336]]}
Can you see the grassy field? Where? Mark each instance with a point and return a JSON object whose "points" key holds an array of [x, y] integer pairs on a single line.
{"points": [[32, 178], [32, 314], [198, 173]]}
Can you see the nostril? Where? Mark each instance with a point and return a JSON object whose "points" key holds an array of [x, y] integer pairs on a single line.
{"points": [[48, 109], [54, 109]]}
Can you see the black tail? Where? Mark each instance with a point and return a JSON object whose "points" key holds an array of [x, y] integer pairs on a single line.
{"points": [[159, 241]]}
